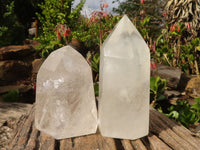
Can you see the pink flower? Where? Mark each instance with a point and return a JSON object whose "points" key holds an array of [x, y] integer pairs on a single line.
{"points": [[91, 19], [142, 1], [34, 87], [62, 27], [58, 35], [105, 14], [98, 15], [151, 47], [87, 59], [101, 13], [153, 66], [67, 32], [109, 31], [178, 29], [164, 14], [188, 26], [172, 28], [105, 5]]}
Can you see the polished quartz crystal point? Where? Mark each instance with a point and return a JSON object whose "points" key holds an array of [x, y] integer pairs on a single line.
{"points": [[124, 83], [65, 102]]}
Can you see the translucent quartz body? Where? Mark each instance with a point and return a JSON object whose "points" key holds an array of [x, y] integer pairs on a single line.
{"points": [[65, 102], [124, 83]]}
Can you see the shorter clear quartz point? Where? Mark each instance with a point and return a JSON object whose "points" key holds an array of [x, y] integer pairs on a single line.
{"points": [[65, 102]]}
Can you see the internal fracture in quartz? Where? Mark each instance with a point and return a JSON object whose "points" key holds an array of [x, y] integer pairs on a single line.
{"points": [[65, 102], [124, 83]]}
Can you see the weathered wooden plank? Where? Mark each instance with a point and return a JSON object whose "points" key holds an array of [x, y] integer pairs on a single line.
{"points": [[178, 129], [19, 126], [138, 145], [160, 128], [156, 143], [22, 134], [94, 141], [181, 133], [25, 132], [46, 142], [32, 142], [127, 145], [164, 134], [66, 144]]}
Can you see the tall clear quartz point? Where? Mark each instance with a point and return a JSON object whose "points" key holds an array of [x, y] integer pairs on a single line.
{"points": [[124, 83], [65, 102]]}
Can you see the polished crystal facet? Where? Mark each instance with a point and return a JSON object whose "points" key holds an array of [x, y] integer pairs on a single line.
{"points": [[65, 102], [124, 83]]}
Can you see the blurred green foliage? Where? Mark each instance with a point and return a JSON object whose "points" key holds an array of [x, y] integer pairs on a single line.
{"points": [[16, 17], [138, 11], [55, 12], [11, 31], [88, 30], [96, 89], [157, 88], [11, 96], [95, 62], [174, 50], [184, 113]]}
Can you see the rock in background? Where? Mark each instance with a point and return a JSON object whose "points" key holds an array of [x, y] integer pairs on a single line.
{"points": [[13, 70], [35, 68], [17, 69], [15, 52], [193, 87], [173, 75]]}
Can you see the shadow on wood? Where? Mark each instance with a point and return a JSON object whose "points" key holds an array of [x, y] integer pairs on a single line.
{"points": [[164, 134]]}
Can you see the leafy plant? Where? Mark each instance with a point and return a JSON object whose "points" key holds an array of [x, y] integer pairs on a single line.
{"points": [[11, 31], [95, 62], [184, 113], [157, 87], [53, 14], [196, 107], [94, 30], [95, 65], [190, 56], [186, 12], [138, 10], [3, 30], [11, 96], [144, 28], [96, 89], [173, 49]]}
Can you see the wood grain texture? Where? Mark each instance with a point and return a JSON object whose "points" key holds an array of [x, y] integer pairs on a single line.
{"points": [[164, 134]]}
